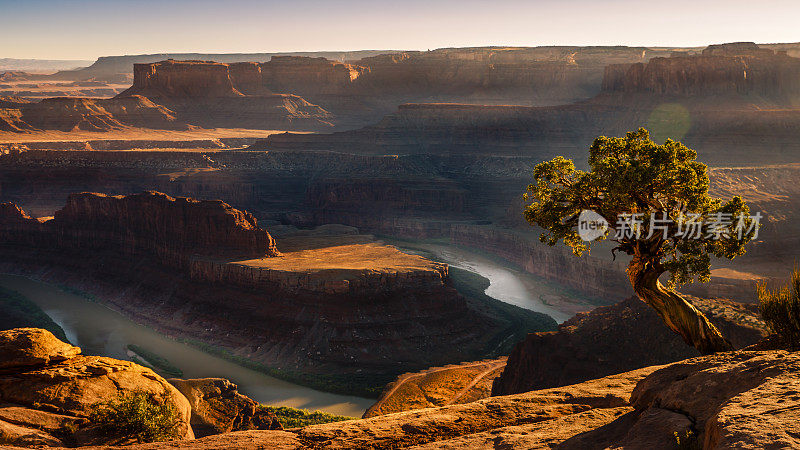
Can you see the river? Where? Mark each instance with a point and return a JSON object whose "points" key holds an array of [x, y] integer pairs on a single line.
{"points": [[99, 330], [102, 331], [506, 282]]}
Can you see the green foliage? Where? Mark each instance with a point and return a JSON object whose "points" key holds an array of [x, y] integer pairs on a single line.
{"points": [[137, 415], [294, 417], [634, 175], [780, 310], [689, 441], [157, 361], [16, 311]]}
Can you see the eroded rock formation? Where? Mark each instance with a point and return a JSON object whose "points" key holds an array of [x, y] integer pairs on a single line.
{"points": [[182, 79], [613, 339], [218, 407], [207, 94], [87, 114], [438, 386], [726, 107], [308, 76], [728, 69], [152, 224], [48, 390], [202, 266]]}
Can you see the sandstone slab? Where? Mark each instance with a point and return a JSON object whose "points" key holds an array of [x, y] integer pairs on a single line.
{"points": [[32, 347]]}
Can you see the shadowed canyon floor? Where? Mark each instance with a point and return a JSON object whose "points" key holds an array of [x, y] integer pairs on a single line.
{"points": [[329, 305]]}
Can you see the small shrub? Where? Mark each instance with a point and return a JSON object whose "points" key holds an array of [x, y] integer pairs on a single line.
{"points": [[780, 310], [688, 441], [137, 415]]}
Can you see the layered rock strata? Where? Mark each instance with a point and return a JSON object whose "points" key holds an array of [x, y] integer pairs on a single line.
{"points": [[87, 114], [186, 267], [729, 69]]}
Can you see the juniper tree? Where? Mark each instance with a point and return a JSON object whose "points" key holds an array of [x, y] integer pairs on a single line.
{"points": [[656, 203]]}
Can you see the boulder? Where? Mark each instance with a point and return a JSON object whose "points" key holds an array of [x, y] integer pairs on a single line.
{"points": [[48, 389], [24, 347], [218, 407]]}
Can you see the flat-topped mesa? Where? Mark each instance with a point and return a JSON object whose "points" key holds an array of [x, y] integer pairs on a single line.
{"points": [[307, 76], [737, 49], [157, 224], [727, 69], [182, 79]]}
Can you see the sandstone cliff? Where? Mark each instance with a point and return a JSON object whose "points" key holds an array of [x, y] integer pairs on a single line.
{"points": [[729, 69], [182, 79], [613, 339], [308, 76], [153, 224], [728, 106], [206, 94], [48, 390]]}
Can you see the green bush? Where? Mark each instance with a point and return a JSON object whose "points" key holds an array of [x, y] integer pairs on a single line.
{"points": [[294, 417], [689, 441], [137, 415], [780, 310]]}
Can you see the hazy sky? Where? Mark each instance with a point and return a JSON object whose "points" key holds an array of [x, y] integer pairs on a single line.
{"points": [[86, 29]]}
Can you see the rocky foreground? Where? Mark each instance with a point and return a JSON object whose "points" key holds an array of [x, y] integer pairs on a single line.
{"points": [[745, 400], [49, 390]]}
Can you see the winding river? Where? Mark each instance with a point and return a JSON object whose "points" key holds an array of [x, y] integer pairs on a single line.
{"points": [[103, 331], [99, 330], [507, 283]]}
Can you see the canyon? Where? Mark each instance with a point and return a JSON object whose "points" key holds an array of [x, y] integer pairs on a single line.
{"points": [[738, 91], [249, 203], [205, 271], [467, 199], [466, 93]]}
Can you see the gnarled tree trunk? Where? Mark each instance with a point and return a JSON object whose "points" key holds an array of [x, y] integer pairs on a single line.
{"points": [[679, 315]]}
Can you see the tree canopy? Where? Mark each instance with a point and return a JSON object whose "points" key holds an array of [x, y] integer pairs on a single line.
{"points": [[655, 199]]}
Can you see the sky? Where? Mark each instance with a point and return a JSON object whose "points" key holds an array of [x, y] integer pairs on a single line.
{"points": [[86, 29]]}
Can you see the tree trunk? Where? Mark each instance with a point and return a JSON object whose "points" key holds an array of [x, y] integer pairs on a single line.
{"points": [[679, 315]]}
